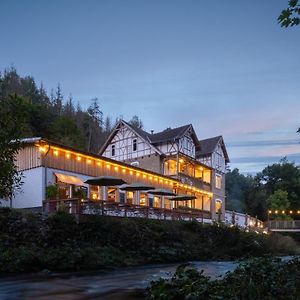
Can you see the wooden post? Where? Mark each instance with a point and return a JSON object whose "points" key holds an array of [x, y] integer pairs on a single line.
{"points": [[202, 208]]}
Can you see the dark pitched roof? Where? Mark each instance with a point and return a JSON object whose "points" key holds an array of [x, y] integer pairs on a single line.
{"points": [[168, 134], [208, 146], [145, 135]]}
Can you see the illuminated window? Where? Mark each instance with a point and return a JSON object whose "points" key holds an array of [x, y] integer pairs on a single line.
{"points": [[170, 167], [113, 150], [218, 205], [134, 145], [218, 182]]}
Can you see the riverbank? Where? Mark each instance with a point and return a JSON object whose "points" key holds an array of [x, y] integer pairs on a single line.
{"points": [[258, 278], [124, 283], [30, 243]]}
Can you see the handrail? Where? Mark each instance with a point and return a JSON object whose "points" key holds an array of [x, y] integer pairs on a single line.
{"points": [[104, 207], [283, 224]]}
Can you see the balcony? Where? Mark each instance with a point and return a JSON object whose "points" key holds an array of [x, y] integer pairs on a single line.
{"points": [[196, 182]]}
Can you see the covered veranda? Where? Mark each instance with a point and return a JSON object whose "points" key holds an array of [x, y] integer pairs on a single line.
{"points": [[112, 196]]}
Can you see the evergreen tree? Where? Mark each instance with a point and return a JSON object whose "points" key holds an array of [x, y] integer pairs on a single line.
{"points": [[12, 118], [136, 122]]}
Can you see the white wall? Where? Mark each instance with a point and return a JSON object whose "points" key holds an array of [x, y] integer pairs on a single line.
{"points": [[123, 141], [32, 190]]}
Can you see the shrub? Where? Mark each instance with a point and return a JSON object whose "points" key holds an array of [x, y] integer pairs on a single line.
{"points": [[262, 278]]}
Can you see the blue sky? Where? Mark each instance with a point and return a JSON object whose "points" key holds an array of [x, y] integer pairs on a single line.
{"points": [[227, 67]]}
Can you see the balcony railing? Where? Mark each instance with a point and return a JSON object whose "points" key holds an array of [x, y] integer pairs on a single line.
{"points": [[196, 182], [110, 208]]}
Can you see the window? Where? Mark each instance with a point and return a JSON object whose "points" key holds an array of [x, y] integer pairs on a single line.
{"points": [[134, 145], [113, 150], [218, 205], [218, 181]]}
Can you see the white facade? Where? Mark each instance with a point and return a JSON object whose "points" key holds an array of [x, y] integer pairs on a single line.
{"points": [[218, 159], [127, 145], [32, 191]]}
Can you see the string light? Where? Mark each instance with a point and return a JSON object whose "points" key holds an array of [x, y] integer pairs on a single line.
{"points": [[42, 149], [89, 160]]}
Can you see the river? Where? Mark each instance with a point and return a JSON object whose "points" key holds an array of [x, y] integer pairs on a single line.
{"points": [[125, 283]]}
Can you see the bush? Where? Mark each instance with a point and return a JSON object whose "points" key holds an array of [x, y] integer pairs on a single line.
{"points": [[262, 278], [62, 243]]}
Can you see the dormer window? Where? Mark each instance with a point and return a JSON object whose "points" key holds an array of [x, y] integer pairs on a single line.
{"points": [[113, 150], [134, 145]]}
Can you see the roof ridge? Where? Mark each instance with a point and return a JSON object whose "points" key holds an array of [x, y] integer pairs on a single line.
{"points": [[168, 129]]}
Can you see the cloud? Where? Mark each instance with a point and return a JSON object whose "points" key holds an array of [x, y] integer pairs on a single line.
{"points": [[259, 143]]}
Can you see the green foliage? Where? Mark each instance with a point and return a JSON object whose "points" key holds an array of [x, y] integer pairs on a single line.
{"points": [[29, 242], [291, 15], [12, 118], [51, 191], [262, 278], [249, 194], [245, 194], [51, 116], [278, 200]]}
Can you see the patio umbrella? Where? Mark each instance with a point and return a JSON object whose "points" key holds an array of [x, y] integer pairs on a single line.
{"points": [[161, 192], [105, 181], [136, 186], [183, 198]]}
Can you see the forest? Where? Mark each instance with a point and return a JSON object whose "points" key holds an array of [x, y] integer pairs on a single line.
{"points": [[57, 117], [276, 187]]}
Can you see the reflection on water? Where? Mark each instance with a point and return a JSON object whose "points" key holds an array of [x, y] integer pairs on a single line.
{"points": [[124, 283]]}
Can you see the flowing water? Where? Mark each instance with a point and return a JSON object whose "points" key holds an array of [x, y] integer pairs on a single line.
{"points": [[125, 283]]}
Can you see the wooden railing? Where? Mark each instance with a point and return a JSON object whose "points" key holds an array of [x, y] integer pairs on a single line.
{"points": [[110, 208], [196, 182]]}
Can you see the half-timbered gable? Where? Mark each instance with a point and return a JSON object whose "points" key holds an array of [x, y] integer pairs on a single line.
{"points": [[177, 140], [218, 159], [126, 144], [213, 153]]}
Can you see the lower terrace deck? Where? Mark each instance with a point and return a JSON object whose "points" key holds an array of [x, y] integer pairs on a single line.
{"points": [[109, 208]]}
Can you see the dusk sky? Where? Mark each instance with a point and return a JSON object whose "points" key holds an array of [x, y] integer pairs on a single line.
{"points": [[227, 67]]}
